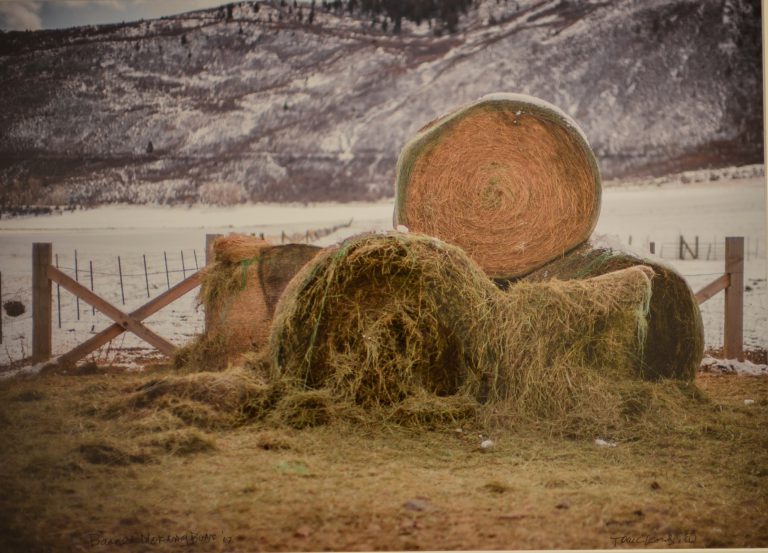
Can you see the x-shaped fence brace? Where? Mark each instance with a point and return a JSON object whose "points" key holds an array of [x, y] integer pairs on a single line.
{"points": [[123, 321]]}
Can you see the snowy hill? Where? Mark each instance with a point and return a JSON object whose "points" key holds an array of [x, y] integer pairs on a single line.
{"points": [[252, 101]]}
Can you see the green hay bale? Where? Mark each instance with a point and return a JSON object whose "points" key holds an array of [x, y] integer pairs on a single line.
{"points": [[508, 178], [239, 292], [563, 341], [674, 345], [410, 328]]}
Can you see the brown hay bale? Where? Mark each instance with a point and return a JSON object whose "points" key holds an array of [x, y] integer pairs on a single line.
{"points": [[675, 339], [509, 178], [567, 343], [233, 248], [239, 292], [385, 321]]}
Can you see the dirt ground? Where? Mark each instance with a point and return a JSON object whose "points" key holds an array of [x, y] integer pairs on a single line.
{"points": [[75, 479]]}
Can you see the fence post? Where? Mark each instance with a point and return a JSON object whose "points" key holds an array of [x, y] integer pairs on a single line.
{"points": [[42, 301], [733, 341]]}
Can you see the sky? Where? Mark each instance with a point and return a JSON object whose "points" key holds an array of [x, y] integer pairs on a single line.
{"points": [[20, 15]]}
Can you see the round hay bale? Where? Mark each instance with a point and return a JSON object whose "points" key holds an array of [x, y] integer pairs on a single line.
{"points": [[383, 319], [568, 344], [376, 319], [232, 295], [674, 345], [239, 292], [509, 178]]}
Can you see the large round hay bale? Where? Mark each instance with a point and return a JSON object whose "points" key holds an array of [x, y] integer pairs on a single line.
{"points": [[377, 318], [239, 293], [509, 178], [383, 318], [674, 343]]}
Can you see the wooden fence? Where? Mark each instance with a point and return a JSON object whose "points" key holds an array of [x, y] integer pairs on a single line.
{"points": [[44, 274], [732, 282]]}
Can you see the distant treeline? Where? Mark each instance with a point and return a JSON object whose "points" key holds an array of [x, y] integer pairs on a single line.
{"points": [[445, 11]]}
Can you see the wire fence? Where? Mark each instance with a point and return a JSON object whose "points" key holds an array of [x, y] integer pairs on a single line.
{"points": [[695, 248], [126, 281]]}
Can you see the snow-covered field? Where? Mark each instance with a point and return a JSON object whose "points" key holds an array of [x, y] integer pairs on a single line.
{"points": [[640, 214]]}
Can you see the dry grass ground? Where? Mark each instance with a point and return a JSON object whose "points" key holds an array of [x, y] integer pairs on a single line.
{"points": [[78, 477]]}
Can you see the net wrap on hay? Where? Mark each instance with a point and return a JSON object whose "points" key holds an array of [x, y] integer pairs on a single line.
{"points": [[509, 178], [404, 321]]}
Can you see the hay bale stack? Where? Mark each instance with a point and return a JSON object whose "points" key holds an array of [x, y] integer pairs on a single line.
{"points": [[509, 178], [381, 319], [675, 339], [239, 291]]}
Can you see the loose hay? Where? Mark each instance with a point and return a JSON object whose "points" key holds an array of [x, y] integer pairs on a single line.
{"points": [[508, 178], [239, 292], [409, 328], [207, 400], [674, 345]]}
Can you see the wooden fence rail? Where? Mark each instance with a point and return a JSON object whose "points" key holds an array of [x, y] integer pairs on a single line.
{"points": [[44, 273], [733, 284]]}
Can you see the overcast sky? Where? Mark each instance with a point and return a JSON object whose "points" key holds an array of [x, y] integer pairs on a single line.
{"points": [[19, 15]]}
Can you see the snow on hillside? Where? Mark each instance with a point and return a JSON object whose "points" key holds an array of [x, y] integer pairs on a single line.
{"points": [[285, 110]]}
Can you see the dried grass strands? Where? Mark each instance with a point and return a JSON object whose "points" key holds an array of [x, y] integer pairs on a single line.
{"points": [[233, 248], [509, 178], [380, 317], [409, 327], [675, 339], [239, 292], [208, 399], [566, 344]]}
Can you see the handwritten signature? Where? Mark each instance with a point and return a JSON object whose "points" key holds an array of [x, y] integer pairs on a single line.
{"points": [[652, 539], [100, 539]]}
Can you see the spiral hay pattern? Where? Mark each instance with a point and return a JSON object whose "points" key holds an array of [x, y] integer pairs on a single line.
{"points": [[509, 179]]}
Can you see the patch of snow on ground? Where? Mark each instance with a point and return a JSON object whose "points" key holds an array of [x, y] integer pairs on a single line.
{"points": [[733, 366]]}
